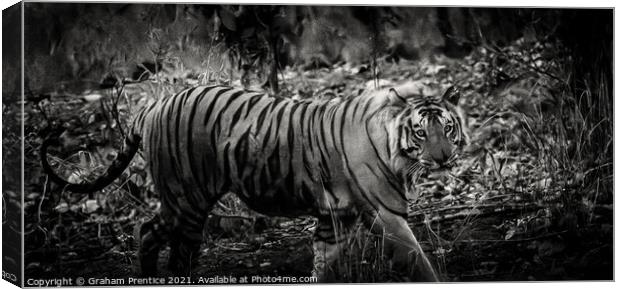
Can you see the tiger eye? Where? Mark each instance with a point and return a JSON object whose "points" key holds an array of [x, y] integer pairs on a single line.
{"points": [[420, 133]]}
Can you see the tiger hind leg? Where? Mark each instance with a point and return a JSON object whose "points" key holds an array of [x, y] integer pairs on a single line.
{"points": [[185, 247], [184, 236], [151, 236]]}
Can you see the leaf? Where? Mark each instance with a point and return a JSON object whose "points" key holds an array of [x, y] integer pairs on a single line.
{"points": [[33, 265], [63, 207], [92, 97], [32, 196], [90, 206], [449, 198], [228, 19], [510, 234]]}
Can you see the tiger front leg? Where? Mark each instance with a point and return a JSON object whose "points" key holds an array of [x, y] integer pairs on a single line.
{"points": [[324, 255], [402, 247], [329, 238]]}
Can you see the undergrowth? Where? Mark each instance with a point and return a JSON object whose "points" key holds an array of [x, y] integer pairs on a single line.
{"points": [[539, 166]]}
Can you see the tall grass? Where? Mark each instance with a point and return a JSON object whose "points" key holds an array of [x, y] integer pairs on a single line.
{"points": [[573, 136], [360, 258]]}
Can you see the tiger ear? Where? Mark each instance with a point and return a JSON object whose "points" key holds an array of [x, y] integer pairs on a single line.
{"points": [[452, 95], [395, 99]]}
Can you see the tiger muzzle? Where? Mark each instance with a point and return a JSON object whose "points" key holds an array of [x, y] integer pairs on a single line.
{"points": [[439, 164]]}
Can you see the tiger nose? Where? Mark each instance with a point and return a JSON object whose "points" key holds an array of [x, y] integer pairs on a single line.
{"points": [[442, 158]]}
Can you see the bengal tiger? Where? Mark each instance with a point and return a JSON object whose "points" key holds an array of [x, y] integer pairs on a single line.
{"points": [[342, 161]]}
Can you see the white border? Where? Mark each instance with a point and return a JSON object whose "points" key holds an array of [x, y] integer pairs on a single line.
{"points": [[490, 3]]}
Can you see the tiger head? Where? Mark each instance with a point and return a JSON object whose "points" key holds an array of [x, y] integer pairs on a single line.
{"points": [[428, 132]]}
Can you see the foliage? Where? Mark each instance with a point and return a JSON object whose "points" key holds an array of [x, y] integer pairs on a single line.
{"points": [[531, 199]]}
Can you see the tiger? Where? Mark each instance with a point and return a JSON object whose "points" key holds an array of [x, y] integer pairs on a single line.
{"points": [[345, 161]]}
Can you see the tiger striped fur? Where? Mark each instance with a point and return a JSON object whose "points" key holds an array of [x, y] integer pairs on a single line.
{"points": [[342, 160]]}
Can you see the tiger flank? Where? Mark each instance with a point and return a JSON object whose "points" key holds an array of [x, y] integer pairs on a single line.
{"points": [[344, 162]]}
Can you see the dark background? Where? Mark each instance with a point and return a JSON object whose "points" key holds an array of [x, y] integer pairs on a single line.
{"points": [[532, 200]]}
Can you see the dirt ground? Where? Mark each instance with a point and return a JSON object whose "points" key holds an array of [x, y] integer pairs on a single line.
{"points": [[286, 250]]}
